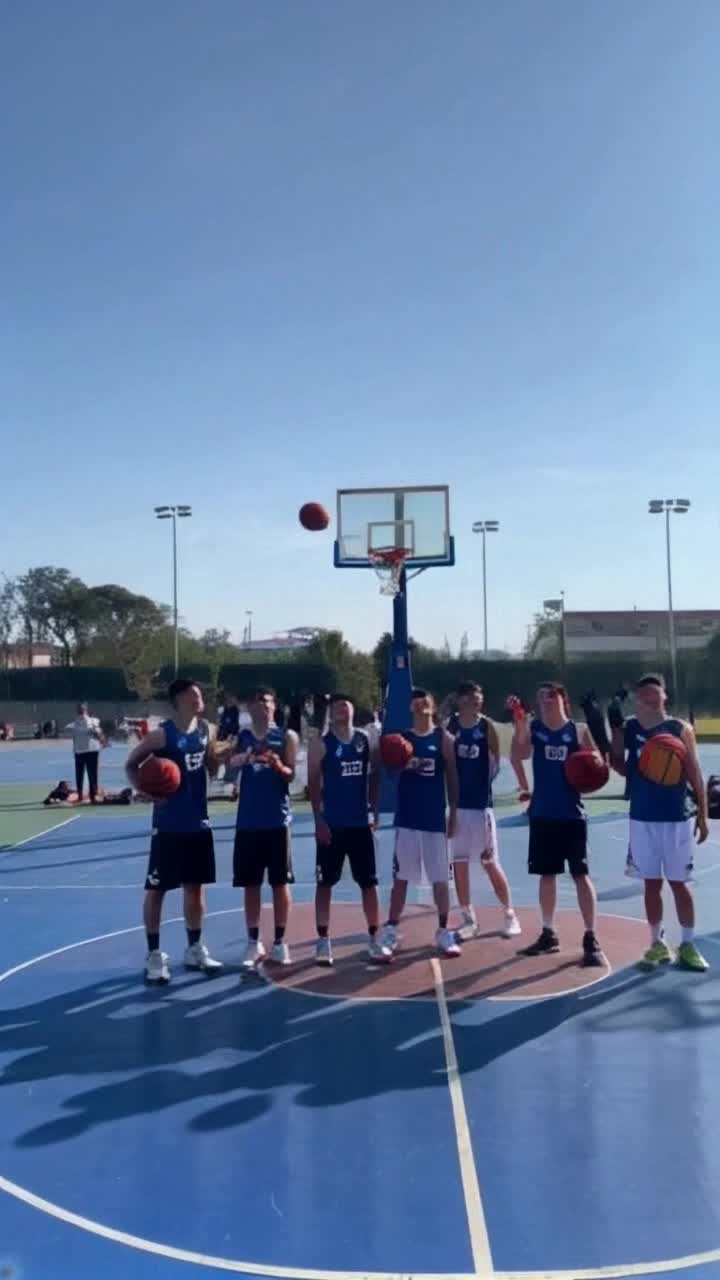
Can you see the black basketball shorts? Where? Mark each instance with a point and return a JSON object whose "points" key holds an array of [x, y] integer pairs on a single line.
{"points": [[258, 853], [357, 844], [555, 842], [180, 857]]}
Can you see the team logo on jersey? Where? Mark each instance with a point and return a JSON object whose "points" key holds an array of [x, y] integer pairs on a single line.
{"points": [[360, 746], [432, 747], [477, 733], [541, 736], [567, 737], [339, 751], [182, 742]]}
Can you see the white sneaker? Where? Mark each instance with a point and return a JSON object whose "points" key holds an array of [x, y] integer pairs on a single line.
{"points": [[512, 928], [323, 952], [254, 954], [469, 925], [389, 938], [198, 957], [446, 941], [157, 972], [280, 953], [378, 951]]}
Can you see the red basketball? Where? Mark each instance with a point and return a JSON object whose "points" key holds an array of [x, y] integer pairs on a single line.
{"points": [[313, 516], [159, 778], [585, 772], [395, 750]]}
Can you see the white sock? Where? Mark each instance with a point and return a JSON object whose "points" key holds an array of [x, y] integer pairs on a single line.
{"points": [[687, 935], [548, 923], [509, 912], [469, 911], [657, 933]]}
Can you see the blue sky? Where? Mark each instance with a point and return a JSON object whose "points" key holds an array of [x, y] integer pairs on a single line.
{"points": [[253, 252]]}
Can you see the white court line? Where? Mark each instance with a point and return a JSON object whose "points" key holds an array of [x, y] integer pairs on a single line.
{"points": [[479, 1239], [10, 848], [615, 1272]]}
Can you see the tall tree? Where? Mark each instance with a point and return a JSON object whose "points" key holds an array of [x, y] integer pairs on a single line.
{"points": [[123, 632], [8, 617]]}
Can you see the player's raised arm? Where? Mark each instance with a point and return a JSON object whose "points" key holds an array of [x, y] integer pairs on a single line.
{"points": [[694, 773], [617, 736], [152, 742], [521, 748]]}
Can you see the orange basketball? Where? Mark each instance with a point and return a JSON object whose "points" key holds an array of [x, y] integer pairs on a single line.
{"points": [[159, 777], [313, 516], [395, 750], [662, 760]]}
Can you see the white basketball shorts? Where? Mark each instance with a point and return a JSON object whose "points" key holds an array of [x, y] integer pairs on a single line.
{"points": [[475, 838], [660, 850], [418, 850]]}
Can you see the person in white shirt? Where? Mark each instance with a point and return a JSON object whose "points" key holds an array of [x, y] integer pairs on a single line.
{"points": [[87, 740]]}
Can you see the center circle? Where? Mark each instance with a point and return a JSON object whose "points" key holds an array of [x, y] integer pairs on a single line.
{"points": [[489, 966]]}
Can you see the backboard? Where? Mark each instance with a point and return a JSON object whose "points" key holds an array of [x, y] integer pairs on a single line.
{"points": [[417, 519]]}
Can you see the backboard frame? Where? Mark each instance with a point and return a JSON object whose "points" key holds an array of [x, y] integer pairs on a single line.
{"points": [[415, 562]]}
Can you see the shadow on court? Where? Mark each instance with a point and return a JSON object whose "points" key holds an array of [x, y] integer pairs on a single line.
{"points": [[326, 1053]]}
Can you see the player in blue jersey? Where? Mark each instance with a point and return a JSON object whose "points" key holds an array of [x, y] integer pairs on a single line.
{"points": [[181, 851], [266, 757], [477, 754], [344, 784], [558, 824], [661, 827], [425, 816]]}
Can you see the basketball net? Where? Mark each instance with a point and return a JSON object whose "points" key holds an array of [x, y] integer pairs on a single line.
{"points": [[388, 563]]}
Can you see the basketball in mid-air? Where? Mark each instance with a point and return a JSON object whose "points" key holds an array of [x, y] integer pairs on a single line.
{"points": [[159, 777], [395, 750], [313, 516], [662, 760], [585, 772]]}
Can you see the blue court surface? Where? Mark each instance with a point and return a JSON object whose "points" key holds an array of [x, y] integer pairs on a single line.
{"points": [[551, 1127]]}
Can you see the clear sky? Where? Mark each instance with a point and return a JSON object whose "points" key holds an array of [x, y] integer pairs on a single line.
{"points": [[255, 251]]}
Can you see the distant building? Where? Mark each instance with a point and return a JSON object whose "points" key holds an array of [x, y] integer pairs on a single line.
{"points": [[284, 641], [640, 632], [16, 656]]}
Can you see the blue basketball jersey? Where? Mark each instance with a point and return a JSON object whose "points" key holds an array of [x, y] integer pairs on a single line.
{"points": [[472, 755], [552, 796], [652, 801], [186, 809], [264, 799], [421, 795], [345, 768]]}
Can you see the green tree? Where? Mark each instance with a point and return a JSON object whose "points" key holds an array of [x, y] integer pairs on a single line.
{"points": [[8, 617], [544, 638], [355, 672], [128, 631]]}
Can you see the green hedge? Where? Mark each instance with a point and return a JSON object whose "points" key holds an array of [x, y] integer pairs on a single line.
{"points": [[62, 684]]}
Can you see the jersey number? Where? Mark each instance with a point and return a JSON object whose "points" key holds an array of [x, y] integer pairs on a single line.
{"points": [[351, 769], [556, 753]]}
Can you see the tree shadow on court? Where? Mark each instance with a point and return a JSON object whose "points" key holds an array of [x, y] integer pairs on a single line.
{"points": [[225, 1051]]}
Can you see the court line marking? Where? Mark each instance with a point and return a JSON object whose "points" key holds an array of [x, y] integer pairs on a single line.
{"points": [[18, 844], [477, 1225], [612, 1272]]}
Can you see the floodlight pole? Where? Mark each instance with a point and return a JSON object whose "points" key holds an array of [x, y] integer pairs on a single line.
{"points": [[485, 527], [174, 513], [666, 507]]}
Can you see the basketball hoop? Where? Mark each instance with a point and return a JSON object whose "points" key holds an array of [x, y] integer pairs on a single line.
{"points": [[388, 563]]}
